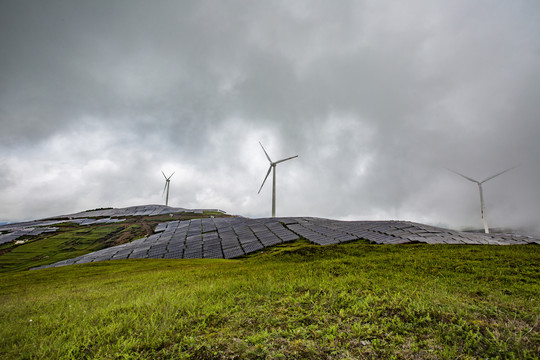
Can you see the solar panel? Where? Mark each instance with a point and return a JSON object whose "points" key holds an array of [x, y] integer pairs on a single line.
{"points": [[234, 237]]}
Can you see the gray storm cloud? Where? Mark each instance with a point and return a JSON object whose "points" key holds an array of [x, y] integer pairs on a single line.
{"points": [[96, 98]]}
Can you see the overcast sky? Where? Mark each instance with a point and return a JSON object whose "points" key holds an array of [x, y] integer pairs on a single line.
{"points": [[376, 97]]}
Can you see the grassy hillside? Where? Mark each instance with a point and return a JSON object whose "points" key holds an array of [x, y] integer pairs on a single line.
{"points": [[72, 240], [293, 301]]}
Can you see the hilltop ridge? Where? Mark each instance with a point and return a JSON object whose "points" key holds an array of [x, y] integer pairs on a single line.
{"points": [[157, 231]]}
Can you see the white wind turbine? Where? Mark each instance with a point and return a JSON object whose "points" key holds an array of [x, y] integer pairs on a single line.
{"points": [[167, 184], [479, 183], [273, 167]]}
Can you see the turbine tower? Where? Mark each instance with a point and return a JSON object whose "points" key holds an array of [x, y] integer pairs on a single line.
{"points": [[479, 183], [167, 184], [273, 167]]}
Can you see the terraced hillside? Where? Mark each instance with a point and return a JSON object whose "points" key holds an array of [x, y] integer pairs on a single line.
{"points": [[42, 242]]}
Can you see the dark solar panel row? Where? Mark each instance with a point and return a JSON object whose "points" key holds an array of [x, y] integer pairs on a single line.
{"points": [[234, 237]]}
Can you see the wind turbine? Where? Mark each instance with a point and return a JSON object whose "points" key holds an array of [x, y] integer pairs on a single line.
{"points": [[479, 183], [273, 167], [167, 184]]}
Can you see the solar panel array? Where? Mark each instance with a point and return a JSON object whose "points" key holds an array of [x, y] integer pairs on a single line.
{"points": [[227, 238], [143, 210], [38, 227], [325, 231], [210, 238], [14, 235], [11, 232]]}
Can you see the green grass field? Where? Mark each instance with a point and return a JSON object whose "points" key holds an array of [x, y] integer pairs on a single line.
{"points": [[302, 301]]}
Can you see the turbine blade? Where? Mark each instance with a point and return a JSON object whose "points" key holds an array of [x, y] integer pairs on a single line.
{"points": [[265, 153], [165, 188], [466, 177], [292, 157], [171, 175], [502, 172], [164, 175], [266, 177]]}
